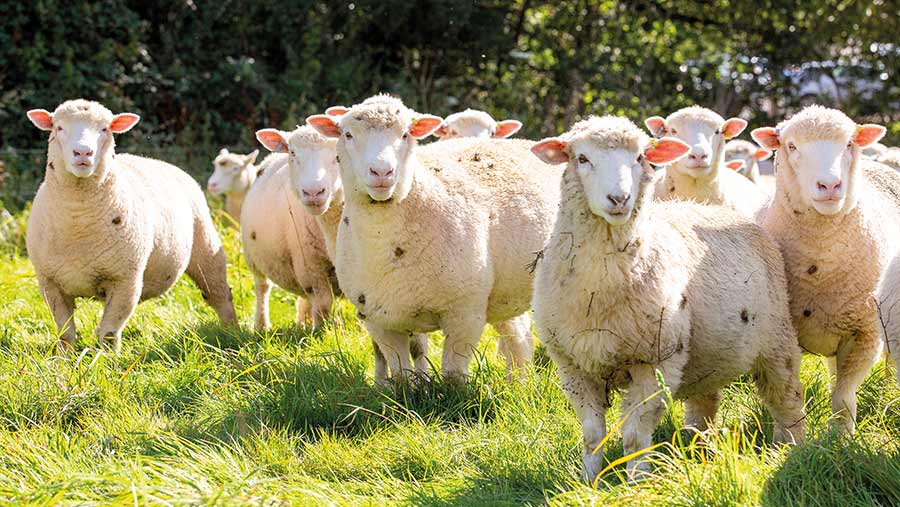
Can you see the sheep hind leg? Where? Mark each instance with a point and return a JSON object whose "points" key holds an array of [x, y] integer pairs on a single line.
{"points": [[263, 288], [701, 410], [207, 268], [855, 358], [303, 311], [516, 343], [321, 300], [418, 346], [778, 382]]}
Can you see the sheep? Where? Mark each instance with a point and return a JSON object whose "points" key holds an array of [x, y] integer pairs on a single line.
{"points": [[744, 157], [628, 286], [891, 158], [115, 226], [439, 236], [830, 206], [232, 175], [888, 297], [874, 151], [699, 176], [474, 123], [283, 243]]}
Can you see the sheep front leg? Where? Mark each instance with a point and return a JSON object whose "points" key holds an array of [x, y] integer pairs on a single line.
{"points": [[516, 343], [62, 306], [855, 358], [263, 288], [419, 349], [700, 410], [207, 268], [589, 398], [462, 332], [394, 347], [643, 408], [121, 300]]}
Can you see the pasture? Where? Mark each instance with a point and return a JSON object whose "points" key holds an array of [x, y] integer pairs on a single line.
{"points": [[194, 414]]}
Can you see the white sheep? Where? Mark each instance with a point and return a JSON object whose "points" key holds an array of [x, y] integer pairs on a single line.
{"points": [[232, 176], [891, 158], [113, 226], [888, 297], [837, 220], [628, 286], [283, 243], [474, 123], [701, 176], [744, 158], [440, 236]]}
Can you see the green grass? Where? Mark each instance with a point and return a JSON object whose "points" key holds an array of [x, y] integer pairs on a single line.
{"points": [[191, 413]]}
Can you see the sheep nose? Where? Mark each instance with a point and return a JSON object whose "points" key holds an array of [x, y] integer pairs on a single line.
{"points": [[382, 172], [699, 155], [316, 192], [618, 200], [82, 151], [830, 187]]}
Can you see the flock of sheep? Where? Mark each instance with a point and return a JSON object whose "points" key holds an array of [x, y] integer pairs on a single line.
{"points": [[699, 272]]}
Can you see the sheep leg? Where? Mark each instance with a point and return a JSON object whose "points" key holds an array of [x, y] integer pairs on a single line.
{"points": [[778, 384], [589, 398], [304, 311], [62, 306], [381, 366], [263, 288], [700, 410], [121, 300], [462, 334], [321, 300], [644, 406], [394, 346], [516, 342], [855, 357], [207, 268], [419, 348]]}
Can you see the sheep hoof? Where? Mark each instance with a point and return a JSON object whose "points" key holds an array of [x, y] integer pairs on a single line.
{"points": [[112, 343]]}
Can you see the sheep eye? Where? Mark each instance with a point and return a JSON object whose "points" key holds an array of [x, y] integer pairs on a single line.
{"points": [[850, 144], [405, 135], [59, 129], [718, 131], [583, 160], [792, 146], [292, 153], [640, 158], [673, 132], [105, 130], [348, 135]]}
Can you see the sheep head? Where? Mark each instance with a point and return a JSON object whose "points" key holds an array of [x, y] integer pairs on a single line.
{"points": [[704, 131], [474, 123], [232, 172]]}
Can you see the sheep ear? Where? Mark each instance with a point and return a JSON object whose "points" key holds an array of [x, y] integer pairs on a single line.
{"points": [[767, 137], [868, 134], [425, 125], [274, 140], [41, 118], [762, 154], [735, 165], [251, 157], [507, 128], [666, 150], [656, 125], [733, 127], [325, 125], [223, 151], [551, 151], [123, 122], [336, 110], [441, 131]]}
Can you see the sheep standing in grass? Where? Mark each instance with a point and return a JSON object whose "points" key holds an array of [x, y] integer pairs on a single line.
{"points": [[837, 219], [440, 236], [118, 227], [702, 176], [474, 123], [282, 242], [744, 157], [628, 286], [232, 176]]}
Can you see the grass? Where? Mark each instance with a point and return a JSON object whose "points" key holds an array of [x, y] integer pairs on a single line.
{"points": [[191, 413]]}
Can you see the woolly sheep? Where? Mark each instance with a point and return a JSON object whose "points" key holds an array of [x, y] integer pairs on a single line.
{"points": [[474, 123], [283, 243], [628, 286], [830, 206], [232, 176], [315, 179], [439, 236], [113, 226], [891, 158], [744, 158], [700, 175]]}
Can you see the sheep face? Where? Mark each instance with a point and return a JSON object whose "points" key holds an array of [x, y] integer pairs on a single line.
{"points": [[315, 176], [230, 172], [704, 131], [742, 155], [375, 145], [472, 123], [820, 148], [81, 133]]}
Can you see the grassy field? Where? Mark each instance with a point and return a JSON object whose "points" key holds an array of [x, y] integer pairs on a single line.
{"points": [[191, 413]]}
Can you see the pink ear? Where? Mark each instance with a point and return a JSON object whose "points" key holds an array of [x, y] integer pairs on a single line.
{"points": [[441, 131], [41, 118], [733, 127], [551, 151], [325, 125], [123, 122], [767, 137], [666, 150], [507, 128], [868, 134], [762, 154], [734, 165], [425, 125], [272, 139], [656, 125], [336, 111]]}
